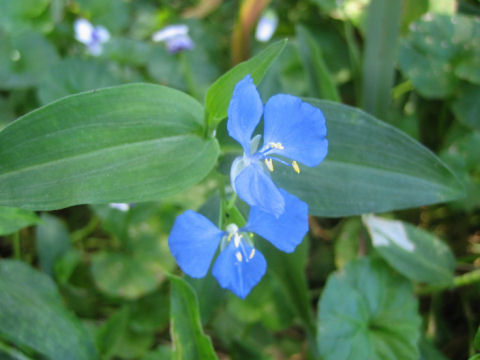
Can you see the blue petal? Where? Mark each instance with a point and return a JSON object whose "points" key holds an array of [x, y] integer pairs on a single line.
{"points": [[237, 270], [288, 230], [256, 188], [193, 242], [244, 112], [298, 126]]}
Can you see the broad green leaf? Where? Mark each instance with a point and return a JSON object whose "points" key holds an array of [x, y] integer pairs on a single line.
{"points": [[13, 219], [469, 68], [33, 315], [467, 106], [219, 94], [111, 332], [24, 59], [151, 313], [435, 46], [52, 242], [367, 312], [71, 76], [15, 15], [112, 14], [127, 51], [318, 76], [381, 39], [370, 167], [189, 340], [129, 143], [413, 252]]}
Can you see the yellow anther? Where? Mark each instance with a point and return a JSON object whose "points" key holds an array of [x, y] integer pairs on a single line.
{"points": [[269, 164], [239, 256], [295, 167], [251, 254], [277, 145], [229, 237]]}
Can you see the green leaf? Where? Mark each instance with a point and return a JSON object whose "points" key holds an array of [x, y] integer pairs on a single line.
{"points": [[467, 106], [219, 94], [381, 39], [71, 76], [435, 46], [428, 351], [13, 219], [111, 332], [24, 59], [15, 15], [469, 68], [33, 315], [347, 242], [318, 76], [52, 242], [189, 340], [367, 312], [129, 143], [370, 167], [413, 252]]}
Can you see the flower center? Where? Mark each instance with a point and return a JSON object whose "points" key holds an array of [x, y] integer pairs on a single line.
{"points": [[263, 154], [241, 253]]}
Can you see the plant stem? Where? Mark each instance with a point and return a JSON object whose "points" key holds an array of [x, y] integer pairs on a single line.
{"points": [[82, 233], [17, 249], [458, 281]]}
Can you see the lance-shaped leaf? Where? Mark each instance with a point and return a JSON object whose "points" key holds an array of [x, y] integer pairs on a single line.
{"points": [[13, 219], [128, 143], [219, 94], [370, 167]]}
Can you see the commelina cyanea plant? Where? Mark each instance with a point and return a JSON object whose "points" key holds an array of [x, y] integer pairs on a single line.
{"points": [[293, 130]]}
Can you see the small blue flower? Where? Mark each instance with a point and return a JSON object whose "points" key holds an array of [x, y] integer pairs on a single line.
{"points": [[175, 37], [194, 240], [92, 36], [266, 26], [293, 129]]}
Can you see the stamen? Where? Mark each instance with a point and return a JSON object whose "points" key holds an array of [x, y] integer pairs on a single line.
{"points": [[236, 240], [252, 253], [239, 256], [295, 167], [269, 164], [277, 145]]}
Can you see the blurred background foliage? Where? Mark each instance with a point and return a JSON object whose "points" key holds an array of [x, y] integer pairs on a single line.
{"points": [[102, 281]]}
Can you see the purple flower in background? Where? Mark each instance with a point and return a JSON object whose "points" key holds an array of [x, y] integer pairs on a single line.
{"points": [[194, 240], [293, 129], [92, 36], [124, 207], [175, 37]]}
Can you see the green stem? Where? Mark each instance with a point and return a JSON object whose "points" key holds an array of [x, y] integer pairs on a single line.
{"points": [[82, 233], [17, 249], [458, 281]]}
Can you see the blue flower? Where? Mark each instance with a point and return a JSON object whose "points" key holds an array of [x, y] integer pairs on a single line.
{"points": [[92, 36], [266, 26], [194, 240], [293, 129]]}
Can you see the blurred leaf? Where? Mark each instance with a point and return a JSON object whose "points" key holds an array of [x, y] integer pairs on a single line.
{"points": [[189, 340], [160, 353], [369, 312], [24, 58], [443, 6], [10, 353], [413, 252], [347, 242], [429, 54], [71, 76], [13, 219], [128, 51], [112, 145], [219, 94], [166, 69], [111, 332], [150, 313], [469, 68], [467, 106], [52, 242], [381, 39], [412, 10], [476, 341], [346, 10], [318, 76], [112, 14], [134, 345], [33, 315], [370, 167], [14, 15], [428, 351], [133, 273]]}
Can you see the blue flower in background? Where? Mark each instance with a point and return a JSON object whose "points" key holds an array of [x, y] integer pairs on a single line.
{"points": [[266, 26], [92, 36], [176, 38], [194, 240], [292, 129]]}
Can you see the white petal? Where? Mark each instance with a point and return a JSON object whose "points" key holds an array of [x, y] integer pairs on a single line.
{"points": [[266, 26], [83, 30], [169, 32]]}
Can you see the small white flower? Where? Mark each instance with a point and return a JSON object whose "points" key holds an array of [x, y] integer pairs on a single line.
{"points": [[266, 26], [92, 36], [175, 37], [120, 206]]}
